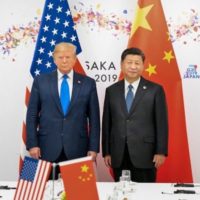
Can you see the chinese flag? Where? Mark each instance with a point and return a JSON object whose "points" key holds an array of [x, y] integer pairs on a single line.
{"points": [[79, 179], [150, 33]]}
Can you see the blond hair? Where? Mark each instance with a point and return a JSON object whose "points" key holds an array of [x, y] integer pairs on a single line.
{"points": [[64, 45]]}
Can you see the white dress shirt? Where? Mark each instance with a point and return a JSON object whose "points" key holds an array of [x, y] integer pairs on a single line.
{"points": [[134, 84], [69, 81]]}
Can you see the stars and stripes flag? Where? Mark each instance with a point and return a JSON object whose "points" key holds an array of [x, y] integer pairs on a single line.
{"points": [[56, 26], [33, 178]]}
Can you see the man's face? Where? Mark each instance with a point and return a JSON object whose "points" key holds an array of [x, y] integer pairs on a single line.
{"points": [[65, 59], [132, 67]]}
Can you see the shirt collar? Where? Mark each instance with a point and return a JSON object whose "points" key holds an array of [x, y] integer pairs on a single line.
{"points": [[70, 74], [134, 84]]}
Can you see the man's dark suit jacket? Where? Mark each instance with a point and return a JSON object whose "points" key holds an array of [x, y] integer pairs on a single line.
{"points": [[144, 129], [78, 132]]}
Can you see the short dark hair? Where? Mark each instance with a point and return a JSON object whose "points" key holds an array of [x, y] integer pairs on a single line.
{"points": [[132, 51]]}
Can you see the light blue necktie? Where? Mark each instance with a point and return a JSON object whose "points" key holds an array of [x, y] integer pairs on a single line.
{"points": [[64, 94], [129, 97]]}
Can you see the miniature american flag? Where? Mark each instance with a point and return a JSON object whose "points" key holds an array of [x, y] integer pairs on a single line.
{"points": [[33, 178]]}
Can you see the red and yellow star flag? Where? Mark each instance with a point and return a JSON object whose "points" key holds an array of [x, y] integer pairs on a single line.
{"points": [[150, 33], [79, 179]]}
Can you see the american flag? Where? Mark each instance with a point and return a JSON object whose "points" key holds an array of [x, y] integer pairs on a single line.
{"points": [[33, 178], [56, 26]]}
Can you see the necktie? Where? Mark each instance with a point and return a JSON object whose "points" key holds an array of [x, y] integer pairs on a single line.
{"points": [[64, 94], [129, 97]]}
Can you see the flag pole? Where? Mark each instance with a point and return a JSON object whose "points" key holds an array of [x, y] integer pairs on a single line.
{"points": [[53, 179]]}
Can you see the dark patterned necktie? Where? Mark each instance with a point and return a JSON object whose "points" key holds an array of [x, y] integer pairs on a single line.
{"points": [[129, 97]]}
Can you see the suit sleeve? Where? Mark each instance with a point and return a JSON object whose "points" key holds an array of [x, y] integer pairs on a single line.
{"points": [[161, 118], [106, 126], [32, 116], [94, 120]]}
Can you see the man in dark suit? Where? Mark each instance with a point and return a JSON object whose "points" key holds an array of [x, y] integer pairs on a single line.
{"points": [[55, 132], [135, 124]]}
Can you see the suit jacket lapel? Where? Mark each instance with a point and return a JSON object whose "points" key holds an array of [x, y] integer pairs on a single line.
{"points": [[54, 90], [121, 93], [139, 93], [77, 83]]}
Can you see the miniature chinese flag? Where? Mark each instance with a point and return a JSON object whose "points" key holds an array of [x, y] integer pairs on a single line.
{"points": [[79, 179]]}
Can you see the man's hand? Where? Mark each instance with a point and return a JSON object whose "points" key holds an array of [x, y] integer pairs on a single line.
{"points": [[35, 152], [107, 160], [93, 154], [158, 159]]}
